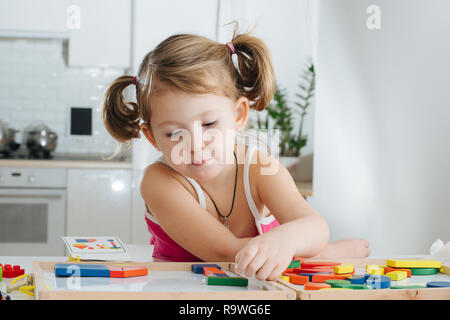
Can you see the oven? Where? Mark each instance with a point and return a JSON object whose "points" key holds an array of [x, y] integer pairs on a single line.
{"points": [[32, 211]]}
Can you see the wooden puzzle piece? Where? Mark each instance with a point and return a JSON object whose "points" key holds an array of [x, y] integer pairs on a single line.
{"points": [[325, 277], [297, 279], [98, 270], [409, 263], [378, 282], [390, 269], [227, 281], [374, 269], [423, 271], [314, 264], [211, 271], [343, 268], [397, 275], [198, 268], [438, 284]]}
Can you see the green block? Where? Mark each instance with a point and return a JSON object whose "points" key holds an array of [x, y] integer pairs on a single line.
{"points": [[423, 271], [295, 264], [408, 287], [1, 273], [334, 282], [227, 281], [351, 286]]}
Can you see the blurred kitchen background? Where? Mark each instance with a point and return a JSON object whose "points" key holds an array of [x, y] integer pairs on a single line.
{"points": [[375, 163]]}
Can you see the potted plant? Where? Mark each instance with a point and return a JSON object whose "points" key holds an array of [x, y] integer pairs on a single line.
{"points": [[283, 116]]}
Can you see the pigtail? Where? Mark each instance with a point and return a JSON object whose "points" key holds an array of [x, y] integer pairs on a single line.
{"points": [[256, 78], [121, 118]]}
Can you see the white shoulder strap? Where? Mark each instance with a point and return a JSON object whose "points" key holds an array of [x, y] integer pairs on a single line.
{"points": [[248, 193], [198, 189]]}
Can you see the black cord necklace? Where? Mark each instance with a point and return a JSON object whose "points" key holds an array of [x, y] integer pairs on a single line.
{"points": [[225, 223]]}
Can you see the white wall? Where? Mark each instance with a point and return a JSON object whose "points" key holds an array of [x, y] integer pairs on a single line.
{"points": [[382, 160]]}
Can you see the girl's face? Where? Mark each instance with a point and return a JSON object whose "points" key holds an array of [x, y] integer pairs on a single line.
{"points": [[196, 133]]}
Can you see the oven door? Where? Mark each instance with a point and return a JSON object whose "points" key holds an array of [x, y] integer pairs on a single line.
{"points": [[32, 221]]}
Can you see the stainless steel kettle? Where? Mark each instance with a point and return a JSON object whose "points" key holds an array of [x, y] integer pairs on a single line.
{"points": [[7, 138], [40, 138]]}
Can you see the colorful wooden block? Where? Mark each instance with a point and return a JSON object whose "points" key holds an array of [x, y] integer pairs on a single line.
{"points": [[298, 279], [333, 282], [81, 270], [325, 277], [315, 264], [127, 271], [423, 271], [316, 286], [360, 279], [210, 271], [343, 268], [295, 264], [309, 275], [409, 263], [198, 268], [378, 282], [438, 284], [390, 269], [9, 271], [375, 269], [227, 281], [313, 270], [285, 278], [397, 275], [351, 286]]}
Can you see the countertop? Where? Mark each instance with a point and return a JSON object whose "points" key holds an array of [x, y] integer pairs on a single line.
{"points": [[68, 161]]}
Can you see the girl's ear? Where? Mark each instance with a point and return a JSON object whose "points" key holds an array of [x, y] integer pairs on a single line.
{"points": [[149, 135], [242, 108]]}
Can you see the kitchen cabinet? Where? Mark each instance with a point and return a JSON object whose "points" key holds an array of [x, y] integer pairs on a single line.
{"points": [[99, 203], [104, 36], [31, 16]]}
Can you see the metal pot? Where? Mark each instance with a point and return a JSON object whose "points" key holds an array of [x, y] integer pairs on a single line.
{"points": [[40, 138], [7, 138]]}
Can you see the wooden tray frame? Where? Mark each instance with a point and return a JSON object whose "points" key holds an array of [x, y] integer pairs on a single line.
{"points": [[379, 294], [271, 289]]}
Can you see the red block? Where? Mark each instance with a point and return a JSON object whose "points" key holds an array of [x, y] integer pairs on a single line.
{"points": [[314, 264], [211, 271], [127, 271], [325, 277], [12, 272], [312, 270]]}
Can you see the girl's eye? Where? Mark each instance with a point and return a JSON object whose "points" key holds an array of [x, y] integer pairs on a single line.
{"points": [[209, 124]]}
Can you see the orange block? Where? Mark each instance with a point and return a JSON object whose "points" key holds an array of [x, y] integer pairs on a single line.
{"points": [[390, 269], [296, 279], [316, 286], [210, 271], [127, 271], [325, 277]]}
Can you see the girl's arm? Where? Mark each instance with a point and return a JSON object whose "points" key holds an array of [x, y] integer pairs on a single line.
{"points": [[184, 220], [303, 232]]}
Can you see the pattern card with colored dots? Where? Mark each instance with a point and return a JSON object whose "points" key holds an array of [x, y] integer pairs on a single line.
{"points": [[95, 248]]}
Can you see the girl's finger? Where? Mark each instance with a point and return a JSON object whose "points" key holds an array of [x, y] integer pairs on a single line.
{"points": [[255, 264], [266, 270], [277, 271], [244, 257]]}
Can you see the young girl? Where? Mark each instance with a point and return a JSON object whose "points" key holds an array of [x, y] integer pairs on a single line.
{"points": [[216, 205]]}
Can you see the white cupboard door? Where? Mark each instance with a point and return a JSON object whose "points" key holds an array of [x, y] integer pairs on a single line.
{"points": [[99, 203], [104, 34], [33, 16]]}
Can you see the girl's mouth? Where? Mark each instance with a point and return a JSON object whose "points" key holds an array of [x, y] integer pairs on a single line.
{"points": [[203, 163]]}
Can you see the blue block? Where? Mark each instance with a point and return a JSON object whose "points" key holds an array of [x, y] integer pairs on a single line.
{"points": [[312, 274], [198, 268], [438, 284], [378, 282], [357, 280], [81, 270]]}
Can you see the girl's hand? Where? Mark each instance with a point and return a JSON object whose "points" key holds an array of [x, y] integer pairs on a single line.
{"points": [[265, 256]]}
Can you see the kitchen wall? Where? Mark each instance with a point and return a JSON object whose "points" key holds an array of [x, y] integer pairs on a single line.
{"points": [[37, 86]]}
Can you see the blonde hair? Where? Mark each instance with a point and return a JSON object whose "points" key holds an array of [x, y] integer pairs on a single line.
{"points": [[188, 62]]}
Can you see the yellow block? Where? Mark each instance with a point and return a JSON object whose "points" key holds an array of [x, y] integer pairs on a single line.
{"points": [[404, 263], [343, 268], [286, 278], [397, 275], [374, 269]]}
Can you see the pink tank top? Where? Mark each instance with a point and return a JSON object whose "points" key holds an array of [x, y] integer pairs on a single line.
{"points": [[167, 249]]}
